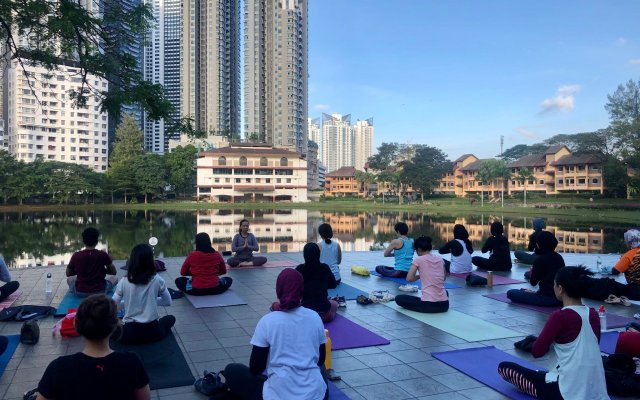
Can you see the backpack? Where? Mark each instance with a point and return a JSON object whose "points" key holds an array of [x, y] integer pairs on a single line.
{"points": [[620, 375], [25, 313], [30, 332], [211, 383]]}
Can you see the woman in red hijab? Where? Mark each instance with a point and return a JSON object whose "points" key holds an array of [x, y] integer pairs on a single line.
{"points": [[288, 346]]}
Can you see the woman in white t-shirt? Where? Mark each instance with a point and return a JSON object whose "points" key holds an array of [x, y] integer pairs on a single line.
{"points": [[330, 251], [289, 345], [141, 292], [461, 249], [434, 298]]}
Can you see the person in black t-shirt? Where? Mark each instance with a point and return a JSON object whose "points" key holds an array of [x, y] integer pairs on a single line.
{"points": [[318, 278], [498, 245], [528, 258], [96, 373]]}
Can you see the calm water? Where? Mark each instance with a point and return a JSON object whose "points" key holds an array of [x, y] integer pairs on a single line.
{"points": [[49, 238]]}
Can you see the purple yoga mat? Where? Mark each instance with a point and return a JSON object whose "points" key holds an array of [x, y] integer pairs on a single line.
{"points": [[346, 334], [608, 342], [613, 320], [335, 393], [481, 364], [497, 279]]}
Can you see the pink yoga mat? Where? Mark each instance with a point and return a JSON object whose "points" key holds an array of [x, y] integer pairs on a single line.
{"points": [[346, 334], [10, 300], [268, 264], [497, 279], [613, 320]]}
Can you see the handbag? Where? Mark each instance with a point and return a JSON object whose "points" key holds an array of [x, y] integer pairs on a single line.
{"points": [[211, 383]]}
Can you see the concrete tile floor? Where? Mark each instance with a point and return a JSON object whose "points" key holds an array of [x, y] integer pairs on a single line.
{"points": [[212, 338]]}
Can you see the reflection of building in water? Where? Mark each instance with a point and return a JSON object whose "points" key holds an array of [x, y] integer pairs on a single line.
{"points": [[477, 232], [345, 228], [277, 231], [26, 260]]}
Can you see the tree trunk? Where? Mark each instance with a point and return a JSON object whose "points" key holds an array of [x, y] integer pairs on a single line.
{"points": [[525, 194], [145, 198], [125, 196], [482, 197]]}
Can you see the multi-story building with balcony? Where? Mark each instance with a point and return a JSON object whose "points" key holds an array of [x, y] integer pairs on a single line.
{"points": [[251, 173], [343, 183]]}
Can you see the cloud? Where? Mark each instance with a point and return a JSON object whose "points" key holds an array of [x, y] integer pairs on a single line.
{"points": [[621, 41], [321, 107], [562, 101], [527, 133], [635, 61]]}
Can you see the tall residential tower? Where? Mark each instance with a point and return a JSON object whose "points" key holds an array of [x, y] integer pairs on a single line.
{"points": [[362, 142]]}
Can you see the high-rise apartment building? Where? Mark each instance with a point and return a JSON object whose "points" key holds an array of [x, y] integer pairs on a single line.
{"points": [[314, 132], [42, 122], [276, 72], [362, 142], [337, 141]]}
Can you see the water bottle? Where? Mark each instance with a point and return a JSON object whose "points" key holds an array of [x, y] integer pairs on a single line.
{"points": [[599, 264], [327, 346], [603, 318], [49, 285], [490, 279]]}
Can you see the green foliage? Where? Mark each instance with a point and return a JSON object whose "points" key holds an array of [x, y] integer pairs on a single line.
{"points": [[180, 165], [149, 173], [424, 171], [521, 150], [127, 148]]}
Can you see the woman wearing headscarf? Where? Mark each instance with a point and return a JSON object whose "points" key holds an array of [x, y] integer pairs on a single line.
{"points": [[461, 249], [543, 272], [498, 246], [288, 345], [528, 258], [629, 264], [318, 278], [204, 267]]}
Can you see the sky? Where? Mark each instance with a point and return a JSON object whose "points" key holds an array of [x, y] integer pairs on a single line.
{"points": [[458, 74]]}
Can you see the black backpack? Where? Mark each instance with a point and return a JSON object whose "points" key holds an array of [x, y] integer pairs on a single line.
{"points": [[25, 313], [30, 332]]}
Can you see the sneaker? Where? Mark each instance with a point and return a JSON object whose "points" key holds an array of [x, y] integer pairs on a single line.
{"points": [[408, 288], [381, 296], [361, 299], [342, 302]]}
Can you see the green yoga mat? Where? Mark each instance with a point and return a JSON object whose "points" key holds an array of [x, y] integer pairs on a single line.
{"points": [[461, 325]]}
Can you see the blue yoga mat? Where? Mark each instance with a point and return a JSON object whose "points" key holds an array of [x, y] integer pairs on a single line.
{"points": [[70, 300], [348, 291], [8, 353], [608, 341], [403, 281]]}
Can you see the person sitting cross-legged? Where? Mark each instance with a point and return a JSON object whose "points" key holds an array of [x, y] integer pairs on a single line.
{"points": [[204, 266], [91, 270]]}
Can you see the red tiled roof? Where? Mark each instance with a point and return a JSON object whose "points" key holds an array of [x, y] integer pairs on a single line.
{"points": [[579, 158], [533, 160], [343, 172]]}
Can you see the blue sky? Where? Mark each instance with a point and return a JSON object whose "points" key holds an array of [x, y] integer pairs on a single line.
{"points": [[458, 74]]}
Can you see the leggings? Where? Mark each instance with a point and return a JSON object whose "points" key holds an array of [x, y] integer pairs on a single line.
{"points": [[414, 303], [529, 381], [223, 285], [532, 298], [150, 332], [245, 386], [524, 257], [488, 265], [390, 272], [7, 289], [257, 261]]}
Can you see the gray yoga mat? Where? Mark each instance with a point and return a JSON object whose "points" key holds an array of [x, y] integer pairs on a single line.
{"points": [[228, 298]]}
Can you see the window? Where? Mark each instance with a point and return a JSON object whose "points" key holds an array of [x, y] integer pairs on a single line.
{"points": [[222, 160], [243, 161], [264, 162], [288, 180], [541, 181], [238, 180], [247, 180], [221, 171], [581, 181], [594, 181], [284, 162]]}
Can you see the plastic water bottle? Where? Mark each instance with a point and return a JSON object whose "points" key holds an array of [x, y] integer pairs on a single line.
{"points": [[599, 264], [603, 318], [49, 285]]}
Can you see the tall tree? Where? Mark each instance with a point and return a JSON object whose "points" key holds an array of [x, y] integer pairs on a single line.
{"points": [[180, 164], [493, 171], [127, 147], [149, 173], [523, 176], [426, 169], [8, 168]]}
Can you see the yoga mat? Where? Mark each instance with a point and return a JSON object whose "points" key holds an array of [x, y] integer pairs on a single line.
{"points": [[461, 325], [8, 352], [164, 362], [613, 320], [497, 279], [335, 393], [481, 364], [403, 281], [346, 334], [608, 342], [348, 291], [268, 264], [228, 298], [10, 300], [70, 300]]}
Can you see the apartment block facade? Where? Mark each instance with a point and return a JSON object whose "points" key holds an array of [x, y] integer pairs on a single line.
{"points": [[343, 183], [362, 142]]}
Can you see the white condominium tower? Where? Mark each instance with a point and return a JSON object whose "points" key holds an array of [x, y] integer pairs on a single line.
{"points": [[362, 142], [337, 141], [276, 72], [314, 134]]}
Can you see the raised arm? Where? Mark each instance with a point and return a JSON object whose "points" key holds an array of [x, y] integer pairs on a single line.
{"points": [[393, 245], [235, 243], [253, 243]]}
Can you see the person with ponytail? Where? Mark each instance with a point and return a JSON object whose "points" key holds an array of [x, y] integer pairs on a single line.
{"points": [[460, 249], [434, 298], [97, 372], [288, 351], [330, 251], [573, 333], [318, 278], [205, 267], [244, 244]]}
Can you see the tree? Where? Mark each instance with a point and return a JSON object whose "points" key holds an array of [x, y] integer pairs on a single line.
{"points": [[149, 173], [8, 168], [520, 150], [483, 176], [126, 149], [495, 170], [426, 169], [180, 164], [524, 175], [365, 179], [387, 155]]}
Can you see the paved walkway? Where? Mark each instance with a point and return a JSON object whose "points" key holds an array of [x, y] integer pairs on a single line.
{"points": [[212, 338]]}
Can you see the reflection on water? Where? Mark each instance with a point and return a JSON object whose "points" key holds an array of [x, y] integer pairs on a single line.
{"points": [[49, 238]]}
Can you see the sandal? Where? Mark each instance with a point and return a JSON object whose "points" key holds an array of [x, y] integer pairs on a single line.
{"points": [[364, 300], [624, 300], [381, 296], [613, 299]]}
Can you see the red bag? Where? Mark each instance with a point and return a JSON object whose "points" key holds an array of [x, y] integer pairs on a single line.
{"points": [[66, 326]]}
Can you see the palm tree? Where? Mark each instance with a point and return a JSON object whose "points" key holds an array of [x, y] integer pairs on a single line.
{"points": [[523, 176]]}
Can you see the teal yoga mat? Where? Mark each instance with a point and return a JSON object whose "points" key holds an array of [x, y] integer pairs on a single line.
{"points": [[403, 281], [461, 325], [348, 291], [70, 300], [5, 357]]}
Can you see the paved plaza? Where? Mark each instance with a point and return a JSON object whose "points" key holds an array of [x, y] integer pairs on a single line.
{"points": [[213, 337]]}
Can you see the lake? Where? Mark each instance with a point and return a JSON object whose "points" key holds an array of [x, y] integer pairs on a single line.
{"points": [[50, 238]]}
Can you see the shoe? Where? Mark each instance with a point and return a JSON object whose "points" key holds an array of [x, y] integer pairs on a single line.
{"points": [[342, 302], [636, 316], [175, 294], [363, 300], [613, 299], [624, 300], [408, 288], [359, 270], [381, 296], [332, 376]]}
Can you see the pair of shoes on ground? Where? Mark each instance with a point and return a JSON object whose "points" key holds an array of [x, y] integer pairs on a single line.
{"points": [[381, 296], [408, 288], [341, 300], [364, 300], [613, 299]]}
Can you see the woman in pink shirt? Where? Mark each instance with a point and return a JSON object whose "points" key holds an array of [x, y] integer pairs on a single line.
{"points": [[434, 298]]}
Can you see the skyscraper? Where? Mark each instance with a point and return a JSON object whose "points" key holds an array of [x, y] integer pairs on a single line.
{"points": [[362, 142], [337, 141], [314, 134], [276, 72]]}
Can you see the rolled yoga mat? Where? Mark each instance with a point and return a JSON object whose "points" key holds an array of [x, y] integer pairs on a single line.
{"points": [[497, 279], [346, 334], [164, 362], [613, 320], [347, 291], [417, 283], [228, 298]]}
